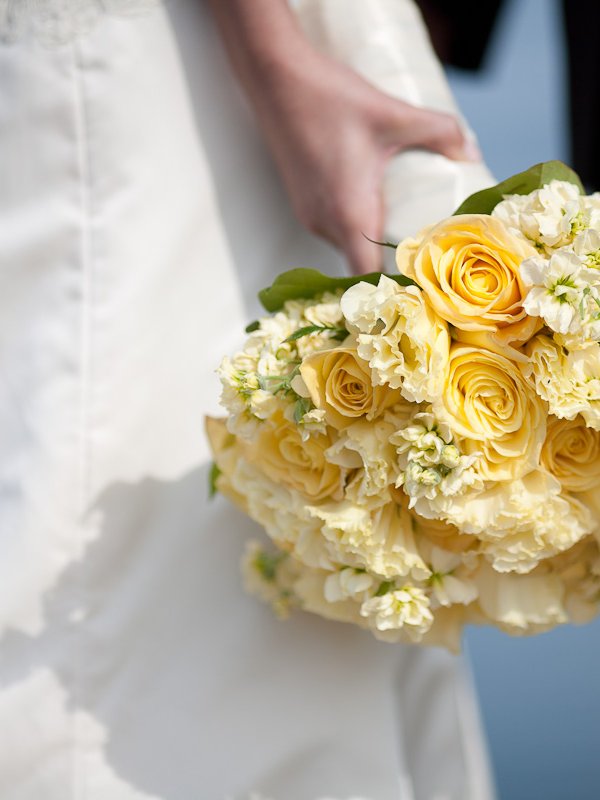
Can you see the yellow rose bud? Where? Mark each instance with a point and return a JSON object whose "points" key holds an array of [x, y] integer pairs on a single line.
{"points": [[468, 267], [283, 456], [487, 401], [571, 453], [340, 382]]}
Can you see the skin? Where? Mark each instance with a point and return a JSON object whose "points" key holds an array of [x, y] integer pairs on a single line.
{"points": [[330, 132]]}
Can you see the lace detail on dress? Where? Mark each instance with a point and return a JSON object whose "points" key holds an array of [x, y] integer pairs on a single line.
{"points": [[56, 22]]}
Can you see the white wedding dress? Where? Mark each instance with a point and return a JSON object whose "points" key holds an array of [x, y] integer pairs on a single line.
{"points": [[139, 214]]}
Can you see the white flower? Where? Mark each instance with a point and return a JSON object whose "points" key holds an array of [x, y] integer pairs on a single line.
{"points": [[326, 312], [262, 404], [400, 336], [406, 608], [347, 583], [549, 217], [429, 461], [587, 246], [242, 396], [312, 422], [563, 291], [270, 574], [448, 583]]}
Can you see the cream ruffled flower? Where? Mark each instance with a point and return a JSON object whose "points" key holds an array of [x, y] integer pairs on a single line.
{"points": [[521, 603], [399, 335], [445, 536], [569, 381], [579, 570], [381, 541], [521, 522], [364, 450]]}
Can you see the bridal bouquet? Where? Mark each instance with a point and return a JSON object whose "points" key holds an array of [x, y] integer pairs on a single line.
{"points": [[423, 448]]}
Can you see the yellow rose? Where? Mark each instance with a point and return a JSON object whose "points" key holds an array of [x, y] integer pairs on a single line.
{"points": [[487, 401], [283, 456], [571, 453], [468, 267], [340, 383], [226, 450]]}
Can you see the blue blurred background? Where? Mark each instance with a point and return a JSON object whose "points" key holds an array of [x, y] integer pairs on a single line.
{"points": [[540, 697]]}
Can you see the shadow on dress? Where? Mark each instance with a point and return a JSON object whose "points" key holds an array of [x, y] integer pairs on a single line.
{"points": [[202, 688]]}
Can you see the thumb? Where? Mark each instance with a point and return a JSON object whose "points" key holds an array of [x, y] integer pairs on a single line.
{"points": [[406, 126]]}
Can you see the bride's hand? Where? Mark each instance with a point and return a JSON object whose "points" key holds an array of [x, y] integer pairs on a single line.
{"points": [[331, 132]]}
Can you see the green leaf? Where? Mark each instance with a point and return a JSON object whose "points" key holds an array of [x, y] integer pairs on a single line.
{"points": [[212, 479], [335, 333], [253, 326], [384, 588], [304, 332], [301, 407], [339, 334], [279, 383], [485, 201], [307, 283], [267, 563]]}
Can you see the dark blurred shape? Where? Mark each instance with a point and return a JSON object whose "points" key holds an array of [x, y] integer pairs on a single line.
{"points": [[582, 22], [461, 32]]}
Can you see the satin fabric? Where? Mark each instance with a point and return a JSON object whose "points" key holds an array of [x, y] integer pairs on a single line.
{"points": [[140, 214]]}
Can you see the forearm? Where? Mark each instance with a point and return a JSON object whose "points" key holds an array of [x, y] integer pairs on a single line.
{"points": [[263, 41], [329, 130]]}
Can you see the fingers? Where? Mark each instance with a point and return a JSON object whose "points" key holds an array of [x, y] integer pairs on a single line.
{"points": [[349, 213], [407, 126], [365, 220], [363, 256]]}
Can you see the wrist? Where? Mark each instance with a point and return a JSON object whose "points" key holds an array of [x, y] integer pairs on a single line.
{"points": [[262, 38]]}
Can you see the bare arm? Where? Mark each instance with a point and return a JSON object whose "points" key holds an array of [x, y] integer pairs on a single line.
{"points": [[331, 132]]}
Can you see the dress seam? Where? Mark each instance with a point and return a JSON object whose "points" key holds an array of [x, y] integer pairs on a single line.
{"points": [[83, 158]]}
